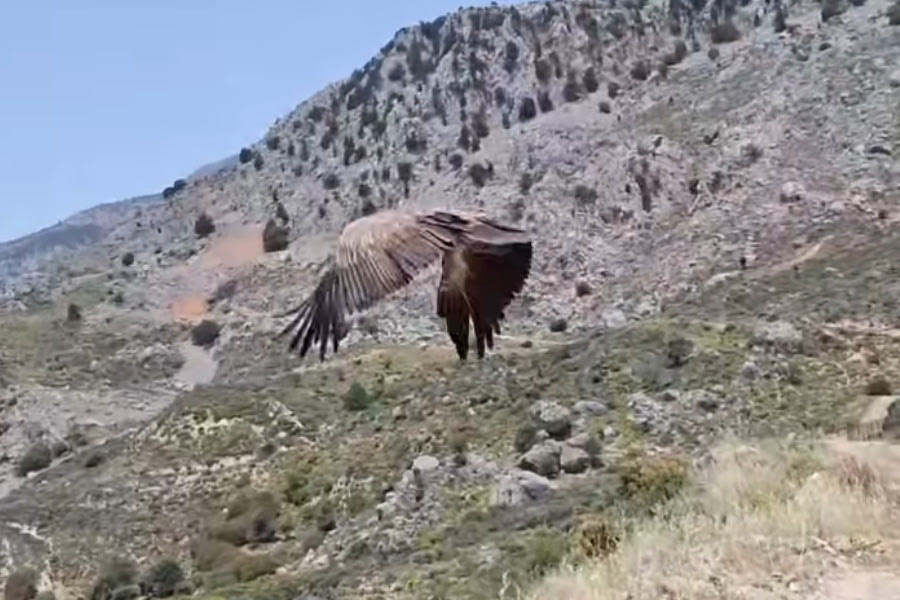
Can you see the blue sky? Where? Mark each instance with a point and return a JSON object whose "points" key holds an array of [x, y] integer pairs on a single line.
{"points": [[103, 99]]}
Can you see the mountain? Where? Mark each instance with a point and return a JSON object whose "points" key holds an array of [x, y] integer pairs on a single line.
{"points": [[22, 259], [711, 191]]}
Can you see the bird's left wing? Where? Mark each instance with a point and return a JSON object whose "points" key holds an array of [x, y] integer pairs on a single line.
{"points": [[376, 255]]}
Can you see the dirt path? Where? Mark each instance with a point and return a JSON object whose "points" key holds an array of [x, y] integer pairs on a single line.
{"points": [[199, 366], [860, 584]]}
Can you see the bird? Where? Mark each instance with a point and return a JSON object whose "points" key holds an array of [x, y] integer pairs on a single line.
{"points": [[484, 265]]}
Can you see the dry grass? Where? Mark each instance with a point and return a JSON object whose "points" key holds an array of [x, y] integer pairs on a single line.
{"points": [[757, 519]]}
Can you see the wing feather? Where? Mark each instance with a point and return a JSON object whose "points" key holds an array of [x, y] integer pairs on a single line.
{"points": [[383, 252], [376, 256], [493, 264]]}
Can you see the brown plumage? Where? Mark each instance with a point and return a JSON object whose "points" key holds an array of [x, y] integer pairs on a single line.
{"points": [[485, 264]]}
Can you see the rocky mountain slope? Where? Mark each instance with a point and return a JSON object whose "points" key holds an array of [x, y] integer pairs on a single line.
{"points": [[713, 193]]}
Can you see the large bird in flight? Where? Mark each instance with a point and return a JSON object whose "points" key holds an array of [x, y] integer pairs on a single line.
{"points": [[484, 265]]}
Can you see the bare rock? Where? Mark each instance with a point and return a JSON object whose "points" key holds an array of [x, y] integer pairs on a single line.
{"points": [[702, 399], [645, 412], [791, 192], [425, 464], [614, 318], [590, 408], [275, 237], [780, 335], [542, 459], [574, 460], [894, 79], [586, 441], [750, 371], [552, 418], [519, 487]]}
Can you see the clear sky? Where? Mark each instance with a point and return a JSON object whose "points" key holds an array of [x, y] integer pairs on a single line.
{"points": [[102, 100]]}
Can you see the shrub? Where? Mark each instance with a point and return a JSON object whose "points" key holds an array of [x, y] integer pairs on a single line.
{"points": [[590, 80], [93, 459], [585, 195], [245, 155], [499, 96], [273, 143], [415, 144], [525, 182], [331, 181], [404, 171], [542, 70], [651, 482], [779, 20], [526, 436], [21, 585], [456, 160], [281, 213], [893, 14], [205, 333], [571, 91], [527, 109], [480, 126], [275, 237], [613, 89], [724, 33], [356, 398], [118, 574], [464, 140], [367, 208], [364, 190], [479, 174], [677, 54], [316, 113], [251, 518], [163, 579], [258, 162], [545, 550], [73, 313], [512, 56], [128, 259], [878, 386], [396, 72], [640, 70], [37, 458], [544, 101], [204, 225]]}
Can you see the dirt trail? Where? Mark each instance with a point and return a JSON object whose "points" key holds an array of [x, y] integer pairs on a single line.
{"points": [[860, 584], [199, 365], [195, 282]]}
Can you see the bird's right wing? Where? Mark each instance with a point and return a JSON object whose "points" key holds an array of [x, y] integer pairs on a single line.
{"points": [[377, 255], [480, 279]]}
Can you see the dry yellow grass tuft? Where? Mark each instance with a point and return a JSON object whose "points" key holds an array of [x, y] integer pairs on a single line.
{"points": [[760, 520]]}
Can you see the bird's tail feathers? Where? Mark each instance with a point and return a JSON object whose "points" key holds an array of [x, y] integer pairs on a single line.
{"points": [[453, 306]]}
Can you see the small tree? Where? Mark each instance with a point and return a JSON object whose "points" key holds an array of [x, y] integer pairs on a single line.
{"points": [[204, 225]]}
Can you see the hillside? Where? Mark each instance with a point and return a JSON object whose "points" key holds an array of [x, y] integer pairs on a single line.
{"points": [[713, 193]]}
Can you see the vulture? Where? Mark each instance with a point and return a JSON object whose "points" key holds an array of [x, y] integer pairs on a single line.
{"points": [[484, 265]]}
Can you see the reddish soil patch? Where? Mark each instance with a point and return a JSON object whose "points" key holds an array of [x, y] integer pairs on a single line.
{"points": [[236, 249], [239, 247], [189, 308]]}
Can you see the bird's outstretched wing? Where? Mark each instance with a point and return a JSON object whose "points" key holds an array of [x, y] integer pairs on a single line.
{"points": [[480, 279], [376, 255]]}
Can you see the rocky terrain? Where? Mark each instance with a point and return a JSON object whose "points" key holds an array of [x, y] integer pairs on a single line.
{"points": [[713, 193]]}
